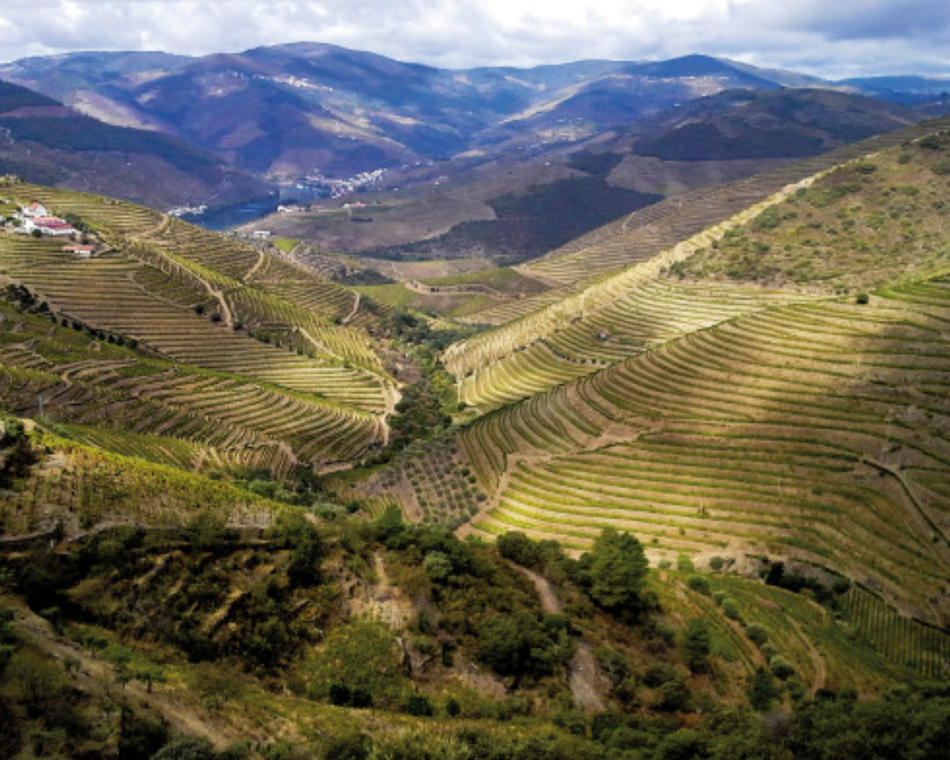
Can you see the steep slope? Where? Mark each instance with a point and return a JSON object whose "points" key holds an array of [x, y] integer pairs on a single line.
{"points": [[780, 124], [236, 361], [709, 417], [43, 141]]}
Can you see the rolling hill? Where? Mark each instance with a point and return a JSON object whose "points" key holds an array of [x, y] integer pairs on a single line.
{"points": [[512, 209], [290, 111], [46, 142]]}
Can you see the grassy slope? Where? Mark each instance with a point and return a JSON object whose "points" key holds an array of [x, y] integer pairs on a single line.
{"points": [[871, 223]]}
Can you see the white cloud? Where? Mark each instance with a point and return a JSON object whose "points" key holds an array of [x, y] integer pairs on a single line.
{"points": [[860, 36]]}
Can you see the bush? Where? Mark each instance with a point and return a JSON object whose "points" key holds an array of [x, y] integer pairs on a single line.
{"points": [[354, 746], [731, 609], [659, 673], [781, 667], [186, 748], [340, 694], [517, 547], [762, 691], [140, 737], [673, 695], [437, 566], [419, 705], [757, 634], [522, 645], [699, 583]]}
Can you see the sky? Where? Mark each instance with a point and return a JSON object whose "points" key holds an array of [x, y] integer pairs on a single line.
{"points": [[830, 38]]}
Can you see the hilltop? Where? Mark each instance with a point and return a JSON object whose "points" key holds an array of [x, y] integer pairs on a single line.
{"points": [[480, 163]]}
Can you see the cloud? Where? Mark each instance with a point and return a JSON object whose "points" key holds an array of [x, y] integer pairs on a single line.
{"points": [[861, 36], [912, 20]]}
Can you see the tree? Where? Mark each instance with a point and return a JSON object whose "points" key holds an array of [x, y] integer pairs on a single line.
{"points": [[775, 574], [762, 690], [521, 644], [517, 547], [618, 569], [437, 566], [697, 643]]}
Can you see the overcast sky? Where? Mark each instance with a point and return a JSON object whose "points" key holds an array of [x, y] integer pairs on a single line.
{"points": [[832, 38]]}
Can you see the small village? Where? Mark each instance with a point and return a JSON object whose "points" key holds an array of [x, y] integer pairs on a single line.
{"points": [[36, 220]]}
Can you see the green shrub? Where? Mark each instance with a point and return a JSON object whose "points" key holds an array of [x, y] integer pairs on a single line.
{"points": [[419, 705], [699, 583], [762, 691], [781, 667], [731, 609], [673, 695], [757, 634]]}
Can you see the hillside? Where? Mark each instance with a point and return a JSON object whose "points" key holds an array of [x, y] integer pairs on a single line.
{"points": [[330, 638], [513, 207], [727, 418], [779, 124], [45, 142], [691, 489], [183, 346], [305, 109]]}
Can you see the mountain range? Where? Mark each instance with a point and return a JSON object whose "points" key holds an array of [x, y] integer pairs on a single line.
{"points": [[288, 112]]}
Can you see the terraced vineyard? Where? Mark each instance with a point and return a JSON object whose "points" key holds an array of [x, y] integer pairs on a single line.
{"points": [[650, 240], [817, 431], [106, 292], [622, 299], [260, 292], [649, 231], [900, 638], [240, 374], [715, 417], [170, 413], [646, 315], [76, 487]]}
